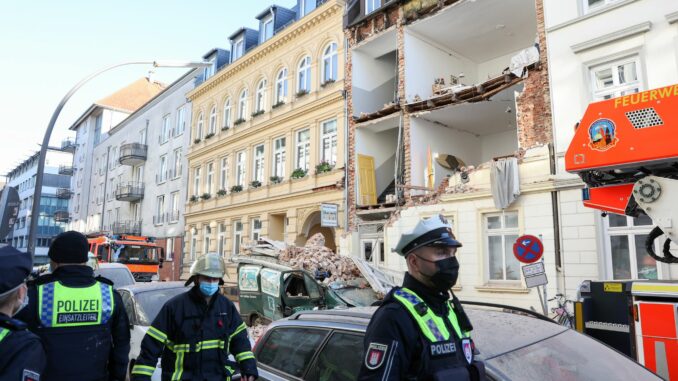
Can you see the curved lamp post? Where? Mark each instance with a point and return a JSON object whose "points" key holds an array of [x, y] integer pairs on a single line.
{"points": [[35, 209]]}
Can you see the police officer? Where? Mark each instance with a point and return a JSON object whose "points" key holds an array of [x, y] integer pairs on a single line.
{"points": [[21, 354], [81, 319], [418, 333], [194, 332]]}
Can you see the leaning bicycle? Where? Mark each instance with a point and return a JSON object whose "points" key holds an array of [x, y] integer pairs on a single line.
{"points": [[562, 313]]}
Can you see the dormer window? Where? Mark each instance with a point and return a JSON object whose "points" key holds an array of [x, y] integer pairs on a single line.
{"points": [[238, 47], [210, 70], [307, 6], [266, 28], [371, 6]]}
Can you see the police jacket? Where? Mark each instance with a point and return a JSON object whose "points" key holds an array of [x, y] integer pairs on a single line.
{"points": [[417, 334], [82, 323], [22, 357], [195, 338]]}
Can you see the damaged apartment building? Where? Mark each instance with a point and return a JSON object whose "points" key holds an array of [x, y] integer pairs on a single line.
{"points": [[449, 112]]}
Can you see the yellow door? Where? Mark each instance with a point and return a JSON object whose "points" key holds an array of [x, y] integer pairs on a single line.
{"points": [[367, 181]]}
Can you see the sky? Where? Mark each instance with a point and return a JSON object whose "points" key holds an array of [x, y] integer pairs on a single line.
{"points": [[47, 46]]}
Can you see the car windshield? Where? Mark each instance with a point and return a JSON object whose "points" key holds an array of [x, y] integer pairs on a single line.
{"points": [[150, 302], [134, 254], [567, 356], [120, 277]]}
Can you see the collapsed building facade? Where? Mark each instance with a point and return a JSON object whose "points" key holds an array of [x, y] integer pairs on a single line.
{"points": [[441, 94]]}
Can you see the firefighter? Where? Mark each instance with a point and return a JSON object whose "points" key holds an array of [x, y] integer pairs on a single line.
{"points": [[80, 318], [195, 332], [418, 333], [22, 356]]}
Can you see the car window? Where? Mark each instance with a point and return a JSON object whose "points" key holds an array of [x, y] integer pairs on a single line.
{"points": [[150, 302], [565, 357], [120, 277], [129, 305], [290, 350], [339, 359]]}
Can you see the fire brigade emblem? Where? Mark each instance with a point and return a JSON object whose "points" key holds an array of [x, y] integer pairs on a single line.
{"points": [[602, 135], [376, 353]]}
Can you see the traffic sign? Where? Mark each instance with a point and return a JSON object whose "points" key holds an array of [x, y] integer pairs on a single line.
{"points": [[535, 274], [528, 249]]}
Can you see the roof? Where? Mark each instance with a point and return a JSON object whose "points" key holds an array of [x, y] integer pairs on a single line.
{"points": [[266, 12], [239, 31], [132, 96], [210, 53]]}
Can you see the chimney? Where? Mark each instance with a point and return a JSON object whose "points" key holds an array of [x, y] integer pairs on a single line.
{"points": [[150, 76]]}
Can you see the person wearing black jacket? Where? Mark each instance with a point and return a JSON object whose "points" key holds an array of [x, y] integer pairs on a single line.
{"points": [[22, 357], [79, 317], [195, 332]]}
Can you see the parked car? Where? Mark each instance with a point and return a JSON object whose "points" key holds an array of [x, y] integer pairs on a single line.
{"points": [[143, 302], [328, 345], [117, 272]]}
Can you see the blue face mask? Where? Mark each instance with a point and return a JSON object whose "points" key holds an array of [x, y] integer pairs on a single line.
{"points": [[208, 289]]}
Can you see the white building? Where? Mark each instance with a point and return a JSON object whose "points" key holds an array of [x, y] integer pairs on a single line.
{"points": [[141, 173], [53, 201], [598, 49]]}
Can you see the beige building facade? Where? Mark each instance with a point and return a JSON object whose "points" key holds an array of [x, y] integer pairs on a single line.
{"points": [[268, 138]]}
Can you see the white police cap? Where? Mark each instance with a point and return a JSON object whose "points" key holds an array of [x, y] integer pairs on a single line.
{"points": [[434, 231]]}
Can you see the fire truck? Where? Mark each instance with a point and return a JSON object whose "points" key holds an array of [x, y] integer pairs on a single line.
{"points": [[140, 254], [626, 151]]}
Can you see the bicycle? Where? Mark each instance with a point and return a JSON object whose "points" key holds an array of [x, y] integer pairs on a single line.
{"points": [[562, 314]]}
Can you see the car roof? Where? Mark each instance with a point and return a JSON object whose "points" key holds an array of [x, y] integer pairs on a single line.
{"points": [[495, 332], [108, 265], [151, 286]]}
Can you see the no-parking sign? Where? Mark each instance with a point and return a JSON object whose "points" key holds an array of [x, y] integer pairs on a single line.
{"points": [[528, 249]]}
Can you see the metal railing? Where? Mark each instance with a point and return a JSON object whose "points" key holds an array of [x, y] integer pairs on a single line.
{"points": [[66, 170], [68, 145], [159, 220], [126, 227], [131, 191], [173, 216], [133, 153], [61, 216], [64, 193]]}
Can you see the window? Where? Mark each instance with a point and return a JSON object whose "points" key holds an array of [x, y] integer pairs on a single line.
{"points": [[97, 128], [256, 229], [221, 239], [181, 121], [339, 359], [307, 6], [291, 350], [367, 248], [371, 6], [206, 239], [142, 136], [174, 202], [242, 105], [279, 157], [196, 181], [266, 28], [237, 236], [162, 173], [224, 174], [194, 244], [616, 79], [304, 75], [198, 130], [114, 157], [238, 48], [330, 64], [261, 96], [159, 210], [501, 231], [259, 163], [592, 5], [170, 249], [165, 133], [240, 168], [281, 87], [178, 167], [328, 142], [213, 120], [209, 70], [210, 178], [627, 257], [303, 149], [227, 113]]}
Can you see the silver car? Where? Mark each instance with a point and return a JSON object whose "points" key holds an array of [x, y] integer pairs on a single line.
{"points": [[328, 345]]}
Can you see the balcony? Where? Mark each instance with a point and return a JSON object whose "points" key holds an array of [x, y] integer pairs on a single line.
{"points": [[159, 220], [126, 227], [68, 145], [64, 193], [133, 153], [132, 191], [66, 170], [173, 216], [61, 216]]}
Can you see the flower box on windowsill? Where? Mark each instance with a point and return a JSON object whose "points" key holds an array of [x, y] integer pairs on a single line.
{"points": [[206, 196], [236, 189], [239, 121], [276, 179], [278, 104], [327, 82], [221, 192], [298, 173], [225, 128], [196, 141], [209, 136], [257, 113], [255, 184], [301, 93], [323, 167], [193, 198]]}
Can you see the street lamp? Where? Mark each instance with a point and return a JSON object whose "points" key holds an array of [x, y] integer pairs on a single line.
{"points": [[35, 209]]}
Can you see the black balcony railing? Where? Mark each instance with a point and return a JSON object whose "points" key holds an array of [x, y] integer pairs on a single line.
{"points": [[68, 145], [66, 170], [126, 227], [64, 193], [133, 153], [132, 191], [61, 216]]}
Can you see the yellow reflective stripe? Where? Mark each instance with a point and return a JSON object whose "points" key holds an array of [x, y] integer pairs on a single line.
{"points": [[209, 344], [452, 317], [240, 328], [178, 366], [244, 356], [157, 334], [3, 333], [229, 369], [143, 369]]}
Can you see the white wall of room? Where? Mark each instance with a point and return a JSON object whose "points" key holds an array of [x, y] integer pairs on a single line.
{"points": [[494, 67], [498, 144], [442, 140], [425, 61], [374, 84], [382, 146]]}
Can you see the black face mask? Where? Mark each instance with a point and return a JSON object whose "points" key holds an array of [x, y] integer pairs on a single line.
{"points": [[446, 276]]}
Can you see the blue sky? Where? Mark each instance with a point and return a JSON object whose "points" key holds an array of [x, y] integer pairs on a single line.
{"points": [[46, 47]]}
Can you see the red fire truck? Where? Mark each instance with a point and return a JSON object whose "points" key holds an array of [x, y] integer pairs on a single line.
{"points": [[140, 254]]}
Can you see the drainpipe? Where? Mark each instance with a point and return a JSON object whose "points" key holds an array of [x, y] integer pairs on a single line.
{"points": [[346, 161], [555, 210]]}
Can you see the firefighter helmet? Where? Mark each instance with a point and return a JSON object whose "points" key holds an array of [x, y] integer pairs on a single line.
{"points": [[210, 265]]}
